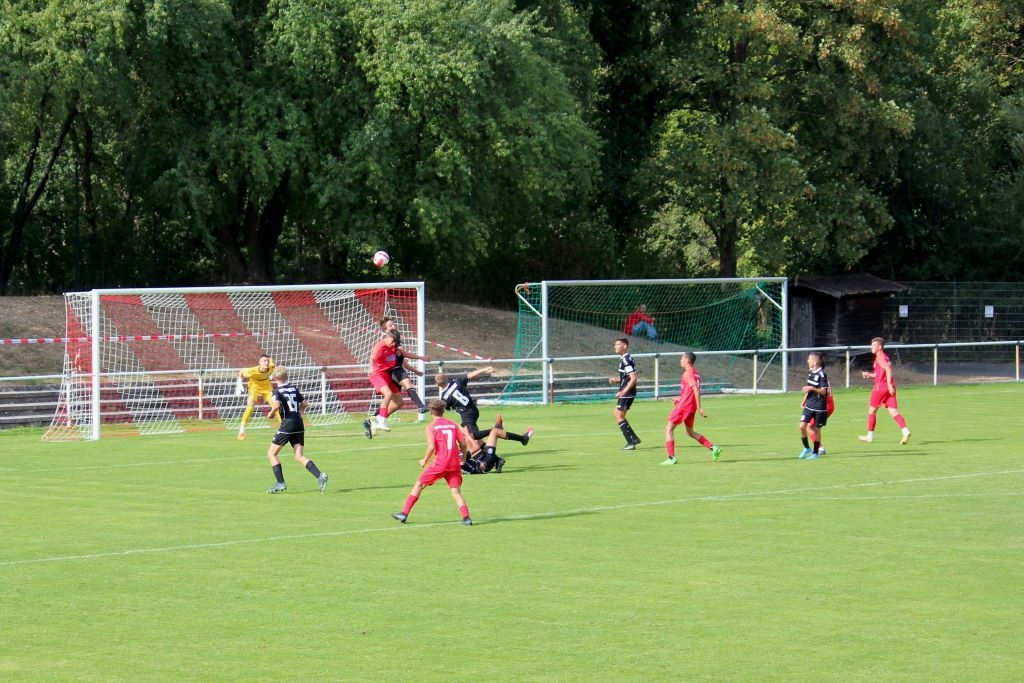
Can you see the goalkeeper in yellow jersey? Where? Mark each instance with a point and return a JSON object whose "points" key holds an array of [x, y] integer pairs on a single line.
{"points": [[259, 388]]}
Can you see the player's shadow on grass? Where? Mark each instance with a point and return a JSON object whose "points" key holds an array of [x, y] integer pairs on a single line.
{"points": [[913, 449], [515, 468], [538, 517], [404, 486]]}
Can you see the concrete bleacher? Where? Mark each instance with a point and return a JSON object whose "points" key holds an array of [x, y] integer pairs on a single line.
{"points": [[29, 405]]}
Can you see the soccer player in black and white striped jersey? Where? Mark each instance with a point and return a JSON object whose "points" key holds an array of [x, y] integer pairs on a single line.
{"points": [[627, 392]]}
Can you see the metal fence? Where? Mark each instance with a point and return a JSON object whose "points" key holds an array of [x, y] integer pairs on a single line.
{"points": [[957, 312], [32, 400]]}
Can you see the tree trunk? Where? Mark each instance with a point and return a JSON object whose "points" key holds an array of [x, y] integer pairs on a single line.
{"points": [[28, 196], [226, 233], [727, 248], [264, 233]]}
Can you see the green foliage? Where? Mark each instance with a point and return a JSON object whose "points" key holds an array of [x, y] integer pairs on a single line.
{"points": [[430, 129], [962, 171], [784, 131], [154, 143]]}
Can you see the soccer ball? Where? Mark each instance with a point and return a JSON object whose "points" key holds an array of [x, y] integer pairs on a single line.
{"points": [[381, 258], [821, 450]]}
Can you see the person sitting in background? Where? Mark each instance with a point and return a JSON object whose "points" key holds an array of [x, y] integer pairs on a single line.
{"points": [[638, 323]]}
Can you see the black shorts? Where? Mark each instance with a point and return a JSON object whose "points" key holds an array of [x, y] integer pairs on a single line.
{"points": [[475, 431], [625, 403], [398, 374], [820, 417], [478, 434], [293, 438]]}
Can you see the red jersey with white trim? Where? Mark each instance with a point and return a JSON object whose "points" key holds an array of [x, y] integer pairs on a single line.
{"points": [[689, 380], [382, 359], [445, 436], [880, 383]]}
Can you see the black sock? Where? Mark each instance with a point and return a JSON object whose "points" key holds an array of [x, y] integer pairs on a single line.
{"points": [[313, 469], [804, 439], [278, 474], [514, 437], [415, 396], [624, 428], [817, 446]]}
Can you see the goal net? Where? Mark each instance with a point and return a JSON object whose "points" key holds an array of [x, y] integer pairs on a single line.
{"points": [[564, 324], [155, 361]]}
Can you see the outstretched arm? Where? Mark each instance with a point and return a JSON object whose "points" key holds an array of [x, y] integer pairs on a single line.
{"points": [[489, 370]]}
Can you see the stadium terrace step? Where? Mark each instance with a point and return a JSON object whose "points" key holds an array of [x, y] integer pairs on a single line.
{"points": [[28, 405]]}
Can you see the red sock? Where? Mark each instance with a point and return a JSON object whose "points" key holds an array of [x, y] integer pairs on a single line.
{"points": [[670, 448], [872, 419], [705, 443], [464, 510], [900, 421], [409, 502], [384, 412]]}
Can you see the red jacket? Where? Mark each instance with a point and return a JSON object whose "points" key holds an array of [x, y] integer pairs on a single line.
{"points": [[635, 317]]}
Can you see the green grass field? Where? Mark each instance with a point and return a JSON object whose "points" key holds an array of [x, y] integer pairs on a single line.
{"points": [[162, 558]]}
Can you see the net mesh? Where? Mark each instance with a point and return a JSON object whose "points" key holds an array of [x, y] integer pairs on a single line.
{"points": [[584, 319], [169, 359], [939, 312]]}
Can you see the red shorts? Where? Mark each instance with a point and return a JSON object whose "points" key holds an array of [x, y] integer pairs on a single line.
{"points": [[384, 380], [882, 397], [432, 474], [679, 415]]}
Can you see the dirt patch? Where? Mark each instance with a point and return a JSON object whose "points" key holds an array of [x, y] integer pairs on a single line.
{"points": [[31, 317], [483, 332]]}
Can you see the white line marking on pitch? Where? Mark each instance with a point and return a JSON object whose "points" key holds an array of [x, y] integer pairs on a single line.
{"points": [[513, 518]]}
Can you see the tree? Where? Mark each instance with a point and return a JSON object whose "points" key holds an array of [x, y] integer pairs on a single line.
{"points": [[466, 139], [958, 200], [51, 67], [782, 141]]}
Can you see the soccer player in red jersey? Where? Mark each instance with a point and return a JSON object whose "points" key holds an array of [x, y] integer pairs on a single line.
{"points": [[685, 410], [883, 393], [382, 361], [445, 443], [402, 368]]}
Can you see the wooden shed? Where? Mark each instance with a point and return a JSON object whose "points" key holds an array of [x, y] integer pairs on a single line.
{"points": [[838, 310]]}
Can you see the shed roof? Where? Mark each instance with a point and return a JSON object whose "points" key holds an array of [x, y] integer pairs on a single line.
{"points": [[855, 284]]}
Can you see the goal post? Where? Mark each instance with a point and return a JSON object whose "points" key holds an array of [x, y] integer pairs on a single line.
{"points": [[563, 322], [153, 361]]}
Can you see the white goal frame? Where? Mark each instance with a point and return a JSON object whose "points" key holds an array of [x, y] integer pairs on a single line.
{"points": [[346, 316], [538, 349]]}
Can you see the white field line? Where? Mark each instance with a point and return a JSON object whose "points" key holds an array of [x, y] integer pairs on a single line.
{"points": [[538, 515]]}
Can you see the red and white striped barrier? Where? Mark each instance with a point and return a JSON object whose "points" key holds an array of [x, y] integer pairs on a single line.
{"points": [[37, 340], [463, 352]]}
